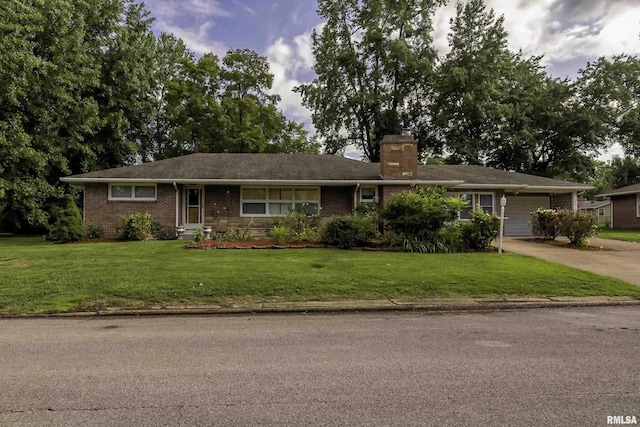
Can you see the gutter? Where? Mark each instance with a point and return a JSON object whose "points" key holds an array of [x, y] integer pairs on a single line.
{"points": [[326, 182], [624, 193]]}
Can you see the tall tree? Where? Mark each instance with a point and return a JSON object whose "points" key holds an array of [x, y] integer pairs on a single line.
{"points": [[225, 106], [469, 85], [613, 85], [373, 59], [74, 96], [495, 107]]}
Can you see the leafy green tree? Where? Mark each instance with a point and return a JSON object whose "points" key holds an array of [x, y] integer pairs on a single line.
{"points": [[373, 62], [467, 109], [74, 96], [618, 172], [497, 108], [613, 85], [213, 106]]}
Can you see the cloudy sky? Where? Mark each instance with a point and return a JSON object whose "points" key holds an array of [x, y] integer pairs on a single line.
{"points": [[568, 32]]}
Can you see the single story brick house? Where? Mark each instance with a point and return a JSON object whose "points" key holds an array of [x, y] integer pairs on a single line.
{"points": [[232, 189], [625, 206], [599, 209]]}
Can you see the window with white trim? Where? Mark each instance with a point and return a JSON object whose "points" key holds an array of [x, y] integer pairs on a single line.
{"points": [[270, 201], [139, 192], [368, 194], [483, 201], [638, 205]]}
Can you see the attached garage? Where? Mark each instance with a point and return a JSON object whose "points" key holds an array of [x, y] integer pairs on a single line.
{"points": [[518, 211]]}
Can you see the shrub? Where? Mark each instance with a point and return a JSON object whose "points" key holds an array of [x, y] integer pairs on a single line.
{"points": [[68, 226], [478, 233], [420, 216], [348, 231], [94, 232], [280, 234], [577, 226], [137, 227], [197, 235], [545, 223]]}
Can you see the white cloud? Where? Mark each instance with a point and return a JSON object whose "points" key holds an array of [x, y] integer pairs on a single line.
{"points": [[289, 60], [176, 8], [560, 30], [196, 40]]}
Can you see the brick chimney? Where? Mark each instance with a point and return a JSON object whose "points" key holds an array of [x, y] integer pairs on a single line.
{"points": [[399, 157]]}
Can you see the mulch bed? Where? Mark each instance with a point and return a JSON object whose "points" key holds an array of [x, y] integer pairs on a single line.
{"points": [[266, 244], [252, 244], [562, 244]]}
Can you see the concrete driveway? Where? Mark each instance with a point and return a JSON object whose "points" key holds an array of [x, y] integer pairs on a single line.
{"points": [[617, 259]]}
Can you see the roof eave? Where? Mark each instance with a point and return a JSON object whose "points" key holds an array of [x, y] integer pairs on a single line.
{"points": [[624, 193], [326, 182]]}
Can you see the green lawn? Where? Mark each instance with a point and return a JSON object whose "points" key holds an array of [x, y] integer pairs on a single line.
{"points": [[38, 277], [632, 235]]}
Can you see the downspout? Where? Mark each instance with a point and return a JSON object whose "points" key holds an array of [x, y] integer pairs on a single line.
{"points": [[355, 197], [175, 186]]}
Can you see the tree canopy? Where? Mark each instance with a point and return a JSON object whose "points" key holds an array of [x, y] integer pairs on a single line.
{"points": [[373, 62], [86, 85]]}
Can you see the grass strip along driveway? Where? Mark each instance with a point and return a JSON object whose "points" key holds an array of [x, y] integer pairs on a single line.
{"points": [[43, 277], [631, 235]]}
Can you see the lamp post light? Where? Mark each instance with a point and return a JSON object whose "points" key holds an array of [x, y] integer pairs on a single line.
{"points": [[503, 203]]}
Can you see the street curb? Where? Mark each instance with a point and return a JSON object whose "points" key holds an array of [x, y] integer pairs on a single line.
{"points": [[441, 306]]}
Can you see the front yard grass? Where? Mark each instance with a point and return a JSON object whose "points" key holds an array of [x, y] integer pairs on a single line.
{"points": [[43, 277], [631, 235]]}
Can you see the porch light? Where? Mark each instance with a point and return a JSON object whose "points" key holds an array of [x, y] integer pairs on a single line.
{"points": [[503, 203]]}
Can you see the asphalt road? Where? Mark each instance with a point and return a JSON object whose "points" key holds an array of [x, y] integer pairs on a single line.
{"points": [[539, 367]]}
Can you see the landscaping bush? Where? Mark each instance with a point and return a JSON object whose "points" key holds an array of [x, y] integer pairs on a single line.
{"points": [[478, 233], [420, 215], [302, 228], [68, 226], [280, 234], [545, 223], [94, 232], [348, 231], [197, 235], [137, 227], [577, 226]]}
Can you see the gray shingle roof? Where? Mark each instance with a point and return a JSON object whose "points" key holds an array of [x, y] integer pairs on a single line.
{"points": [[629, 189], [303, 167], [593, 204]]}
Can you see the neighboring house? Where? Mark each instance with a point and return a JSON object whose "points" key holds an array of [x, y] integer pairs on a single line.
{"points": [[600, 210], [625, 206], [222, 189]]}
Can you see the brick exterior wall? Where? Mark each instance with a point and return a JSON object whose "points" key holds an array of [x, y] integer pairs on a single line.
{"points": [[398, 157], [336, 201], [562, 201], [385, 192], [222, 200], [625, 212], [107, 215]]}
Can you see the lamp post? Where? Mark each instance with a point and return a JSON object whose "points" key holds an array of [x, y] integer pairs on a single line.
{"points": [[503, 203]]}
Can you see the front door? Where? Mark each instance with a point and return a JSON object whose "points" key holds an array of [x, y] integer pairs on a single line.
{"points": [[193, 203]]}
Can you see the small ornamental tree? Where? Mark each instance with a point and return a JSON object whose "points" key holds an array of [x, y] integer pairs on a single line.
{"points": [[478, 233], [545, 223], [68, 226], [579, 227], [420, 215]]}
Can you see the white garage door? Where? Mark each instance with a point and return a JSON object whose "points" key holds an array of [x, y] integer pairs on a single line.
{"points": [[518, 210]]}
